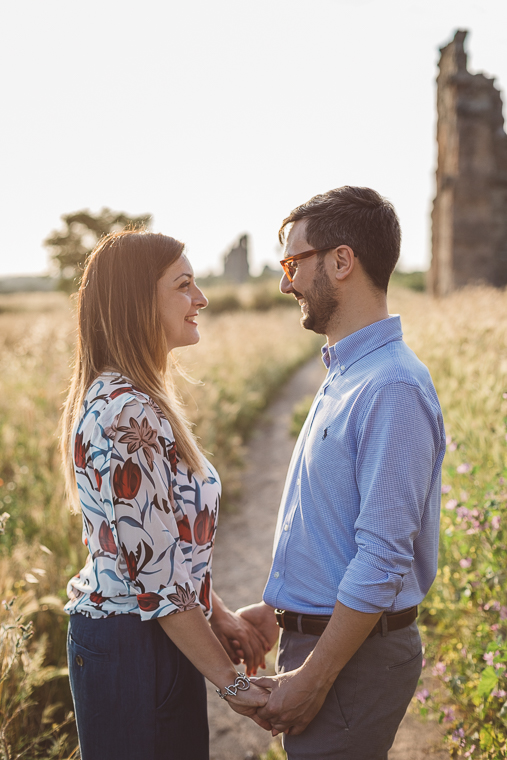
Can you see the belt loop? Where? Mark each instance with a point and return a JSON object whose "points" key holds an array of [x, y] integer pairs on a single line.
{"points": [[299, 623], [383, 624]]}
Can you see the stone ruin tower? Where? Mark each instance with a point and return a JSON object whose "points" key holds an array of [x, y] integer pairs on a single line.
{"points": [[469, 218], [236, 268]]}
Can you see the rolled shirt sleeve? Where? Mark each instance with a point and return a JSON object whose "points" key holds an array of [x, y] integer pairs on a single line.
{"points": [[398, 445]]}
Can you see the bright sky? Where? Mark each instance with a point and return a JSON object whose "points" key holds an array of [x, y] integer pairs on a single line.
{"points": [[220, 117]]}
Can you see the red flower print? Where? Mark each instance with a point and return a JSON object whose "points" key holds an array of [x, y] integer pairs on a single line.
{"points": [[127, 480], [118, 392], [172, 456], [135, 561], [98, 478], [140, 436], [204, 594], [80, 451], [204, 527], [106, 539], [130, 559], [184, 530], [97, 598], [149, 602], [184, 598]]}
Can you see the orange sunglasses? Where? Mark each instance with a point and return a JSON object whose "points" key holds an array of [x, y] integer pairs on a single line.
{"points": [[290, 266]]}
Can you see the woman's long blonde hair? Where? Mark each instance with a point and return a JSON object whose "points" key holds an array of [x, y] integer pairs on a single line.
{"points": [[119, 330]]}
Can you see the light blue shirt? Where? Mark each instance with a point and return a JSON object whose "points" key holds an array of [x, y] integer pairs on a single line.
{"points": [[359, 516]]}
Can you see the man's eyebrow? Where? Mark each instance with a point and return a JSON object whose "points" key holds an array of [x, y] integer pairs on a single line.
{"points": [[185, 274]]}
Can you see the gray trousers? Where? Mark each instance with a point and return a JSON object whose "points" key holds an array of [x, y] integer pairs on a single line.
{"points": [[365, 705]]}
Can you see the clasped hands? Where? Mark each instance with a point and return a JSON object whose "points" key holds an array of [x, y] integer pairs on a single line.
{"points": [[285, 703]]}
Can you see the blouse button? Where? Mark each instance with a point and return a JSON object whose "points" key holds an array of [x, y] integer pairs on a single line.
{"points": [[79, 660], [277, 575]]}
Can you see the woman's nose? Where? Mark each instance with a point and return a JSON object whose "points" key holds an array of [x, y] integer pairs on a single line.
{"points": [[201, 299]]}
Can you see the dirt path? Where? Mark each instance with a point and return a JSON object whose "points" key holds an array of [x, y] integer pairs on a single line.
{"points": [[242, 559]]}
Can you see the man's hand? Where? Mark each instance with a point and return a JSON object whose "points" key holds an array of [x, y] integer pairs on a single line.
{"points": [[293, 703], [262, 617], [240, 639]]}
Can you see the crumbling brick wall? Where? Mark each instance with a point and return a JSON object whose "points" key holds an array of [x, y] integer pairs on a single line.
{"points": [[469, 218]]}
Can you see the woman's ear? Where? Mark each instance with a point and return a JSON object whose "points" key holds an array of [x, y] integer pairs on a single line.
{"points": [[343, 262]]}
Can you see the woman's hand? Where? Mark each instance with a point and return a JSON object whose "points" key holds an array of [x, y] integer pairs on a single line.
{"points": [[240, 639], [262, 617], [247, 702]]}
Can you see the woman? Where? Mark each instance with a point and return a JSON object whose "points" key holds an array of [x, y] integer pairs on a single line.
{"points": [[139, 640]]}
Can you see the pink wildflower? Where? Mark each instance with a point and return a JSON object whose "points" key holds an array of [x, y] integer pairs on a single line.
{"points": [[449, 715], [470, 751], [452, 504], [499, 693], [495, 522], [446, 489], [464, 563], [453, 446], [439, 669], [489, 657], [462, 468], [503, 613], [422, 696], [494, 627]]}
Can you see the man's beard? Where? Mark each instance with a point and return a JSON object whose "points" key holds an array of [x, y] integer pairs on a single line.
{"points": [[321, 302]]}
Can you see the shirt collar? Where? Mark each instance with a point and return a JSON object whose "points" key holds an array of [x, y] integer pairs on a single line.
{"points": [[349, 350]]}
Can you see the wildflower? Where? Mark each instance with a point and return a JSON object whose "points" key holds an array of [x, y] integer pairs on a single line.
{"points": [[446, 489], [494, 627], [467, 754], [489, 657], [499, 693], [462, 468], [464, 563], [452, 504], [462, 512], [422, 695], [503, 613], [449, 715], [439, 669], [495, 522], [453, 446], [458, 735]]}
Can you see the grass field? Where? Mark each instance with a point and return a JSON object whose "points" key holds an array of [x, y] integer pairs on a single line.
{"points": [[242, 359]]}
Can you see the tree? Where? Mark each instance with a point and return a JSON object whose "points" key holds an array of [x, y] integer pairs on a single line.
{"points": [[70, 247]]}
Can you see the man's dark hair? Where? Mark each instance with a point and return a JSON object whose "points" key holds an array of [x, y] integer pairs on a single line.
{"points": [[358, 217]]}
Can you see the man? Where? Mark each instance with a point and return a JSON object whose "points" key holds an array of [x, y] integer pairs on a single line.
{"points": [[356, 542]]}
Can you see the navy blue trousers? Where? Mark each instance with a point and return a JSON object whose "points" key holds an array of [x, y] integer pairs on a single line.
{"points": [[136, 696]]}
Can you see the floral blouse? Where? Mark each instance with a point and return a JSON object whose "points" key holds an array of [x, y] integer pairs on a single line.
{"points": [[148, 523]]}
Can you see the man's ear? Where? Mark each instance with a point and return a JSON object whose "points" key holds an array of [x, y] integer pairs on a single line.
{"points": [[344, 262]]}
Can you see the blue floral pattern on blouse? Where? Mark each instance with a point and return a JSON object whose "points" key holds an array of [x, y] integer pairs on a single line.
{"points": [[149, 523]]}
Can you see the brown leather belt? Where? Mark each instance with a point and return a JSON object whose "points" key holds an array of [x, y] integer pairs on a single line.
{"points": [[316, 624]]}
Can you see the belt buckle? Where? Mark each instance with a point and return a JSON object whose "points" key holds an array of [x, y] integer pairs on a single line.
{"points": [[280, 618]]}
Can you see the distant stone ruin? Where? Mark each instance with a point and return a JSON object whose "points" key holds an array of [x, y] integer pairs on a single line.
{"points": [[469, 218], [236, 268]]}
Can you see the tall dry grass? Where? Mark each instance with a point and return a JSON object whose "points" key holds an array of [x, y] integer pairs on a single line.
{"points": [[241, 361]]}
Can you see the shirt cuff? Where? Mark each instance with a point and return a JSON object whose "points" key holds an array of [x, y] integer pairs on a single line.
{"points": [[167, 601]]}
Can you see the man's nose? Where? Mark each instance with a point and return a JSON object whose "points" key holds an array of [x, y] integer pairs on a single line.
{"points": [[285, 285]]}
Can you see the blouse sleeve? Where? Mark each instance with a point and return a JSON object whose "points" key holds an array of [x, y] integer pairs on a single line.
{"points": [[151, 540]]}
